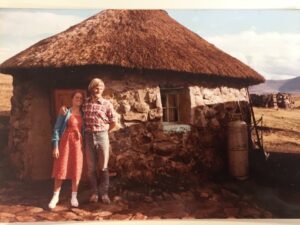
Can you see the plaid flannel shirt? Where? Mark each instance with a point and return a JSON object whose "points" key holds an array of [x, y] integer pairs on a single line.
{"points": [[98, 115]]}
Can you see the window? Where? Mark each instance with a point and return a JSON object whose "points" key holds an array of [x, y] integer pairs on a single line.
{"points": [[170, 103]]}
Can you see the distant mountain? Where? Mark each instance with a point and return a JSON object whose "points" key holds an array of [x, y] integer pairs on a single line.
{"points": [[274, 86]]}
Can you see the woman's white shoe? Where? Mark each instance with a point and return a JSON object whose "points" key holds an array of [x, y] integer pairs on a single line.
{"points": [[53, 202], [74, 202]]}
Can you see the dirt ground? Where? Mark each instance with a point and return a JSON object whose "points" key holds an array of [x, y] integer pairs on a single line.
{"points": [[281, 128], [217, 198], [297, 100], [27, 202]]}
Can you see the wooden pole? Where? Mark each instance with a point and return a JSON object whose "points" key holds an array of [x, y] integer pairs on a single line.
{"points": [[254, 121]]}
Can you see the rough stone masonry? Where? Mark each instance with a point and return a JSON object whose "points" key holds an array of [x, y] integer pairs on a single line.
{"points": [[144, 149]]}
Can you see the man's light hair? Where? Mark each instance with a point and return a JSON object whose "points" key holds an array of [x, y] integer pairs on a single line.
{"points": [[94, 83]]}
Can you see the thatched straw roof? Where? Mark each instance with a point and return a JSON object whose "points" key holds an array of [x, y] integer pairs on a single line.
{"points": [[136, 39]]}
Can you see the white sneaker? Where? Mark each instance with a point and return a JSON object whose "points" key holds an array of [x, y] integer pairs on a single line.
{"points": [[74, 202], [53, 202]]}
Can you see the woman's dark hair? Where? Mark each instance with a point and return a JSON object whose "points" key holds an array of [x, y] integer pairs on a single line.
{"points": [[82, 94], [75, 92]]}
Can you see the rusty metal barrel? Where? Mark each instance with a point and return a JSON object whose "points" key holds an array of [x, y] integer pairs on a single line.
{"points": [[237, 144]]}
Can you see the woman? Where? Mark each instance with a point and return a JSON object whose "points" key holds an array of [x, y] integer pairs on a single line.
{"points": [[67, 149]]}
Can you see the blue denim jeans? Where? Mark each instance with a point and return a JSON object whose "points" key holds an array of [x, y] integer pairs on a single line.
{"points": [[97, 156]]}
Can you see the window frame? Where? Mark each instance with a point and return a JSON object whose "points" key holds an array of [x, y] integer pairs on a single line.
{"points": [[166, 92]]}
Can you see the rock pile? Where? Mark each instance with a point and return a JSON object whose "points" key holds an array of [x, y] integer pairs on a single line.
{"points": [[279, 100]]}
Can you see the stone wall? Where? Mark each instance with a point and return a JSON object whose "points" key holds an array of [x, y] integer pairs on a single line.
{"points": [[4, 130], [19, 122], [143, 149], [39, 135], [149, 152], [29, 145]]}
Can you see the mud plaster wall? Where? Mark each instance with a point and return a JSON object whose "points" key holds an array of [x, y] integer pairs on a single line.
{"points": [[30, 130], [143, 149], [38, 135]]}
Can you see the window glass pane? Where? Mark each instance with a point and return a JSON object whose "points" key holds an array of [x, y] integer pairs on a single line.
{"points": [[165, 116], [173, 116], [170, 103], [164, 100], [172, 100]]}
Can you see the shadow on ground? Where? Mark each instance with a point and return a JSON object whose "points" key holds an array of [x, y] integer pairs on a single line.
{"points": [[266, 196]]}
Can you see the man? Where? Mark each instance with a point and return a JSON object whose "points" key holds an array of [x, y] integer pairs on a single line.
{"points": [[99, 119]]}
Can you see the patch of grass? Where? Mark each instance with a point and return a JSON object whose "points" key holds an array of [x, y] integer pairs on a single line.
{"points": [[283, 133], [6, 91]]}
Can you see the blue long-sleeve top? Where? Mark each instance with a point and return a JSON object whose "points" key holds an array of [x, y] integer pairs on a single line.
{"points": [[59, 127]]}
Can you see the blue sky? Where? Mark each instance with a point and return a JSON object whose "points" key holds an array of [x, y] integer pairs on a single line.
{"points": [[266, 40]]}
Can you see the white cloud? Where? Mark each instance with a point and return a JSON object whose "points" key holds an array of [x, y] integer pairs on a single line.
{"points": [[30, 24], [274, 55], [19, 30], [4, 52]]}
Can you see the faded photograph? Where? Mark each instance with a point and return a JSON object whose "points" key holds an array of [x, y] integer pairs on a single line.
{"points": [[109, 114]]}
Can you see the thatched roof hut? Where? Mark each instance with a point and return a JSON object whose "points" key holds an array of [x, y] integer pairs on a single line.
{"points": [[139, 39], [172, 92]]}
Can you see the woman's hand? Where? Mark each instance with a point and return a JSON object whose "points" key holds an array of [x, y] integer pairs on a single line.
{"points": [[55, 153], [63, 110]]}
